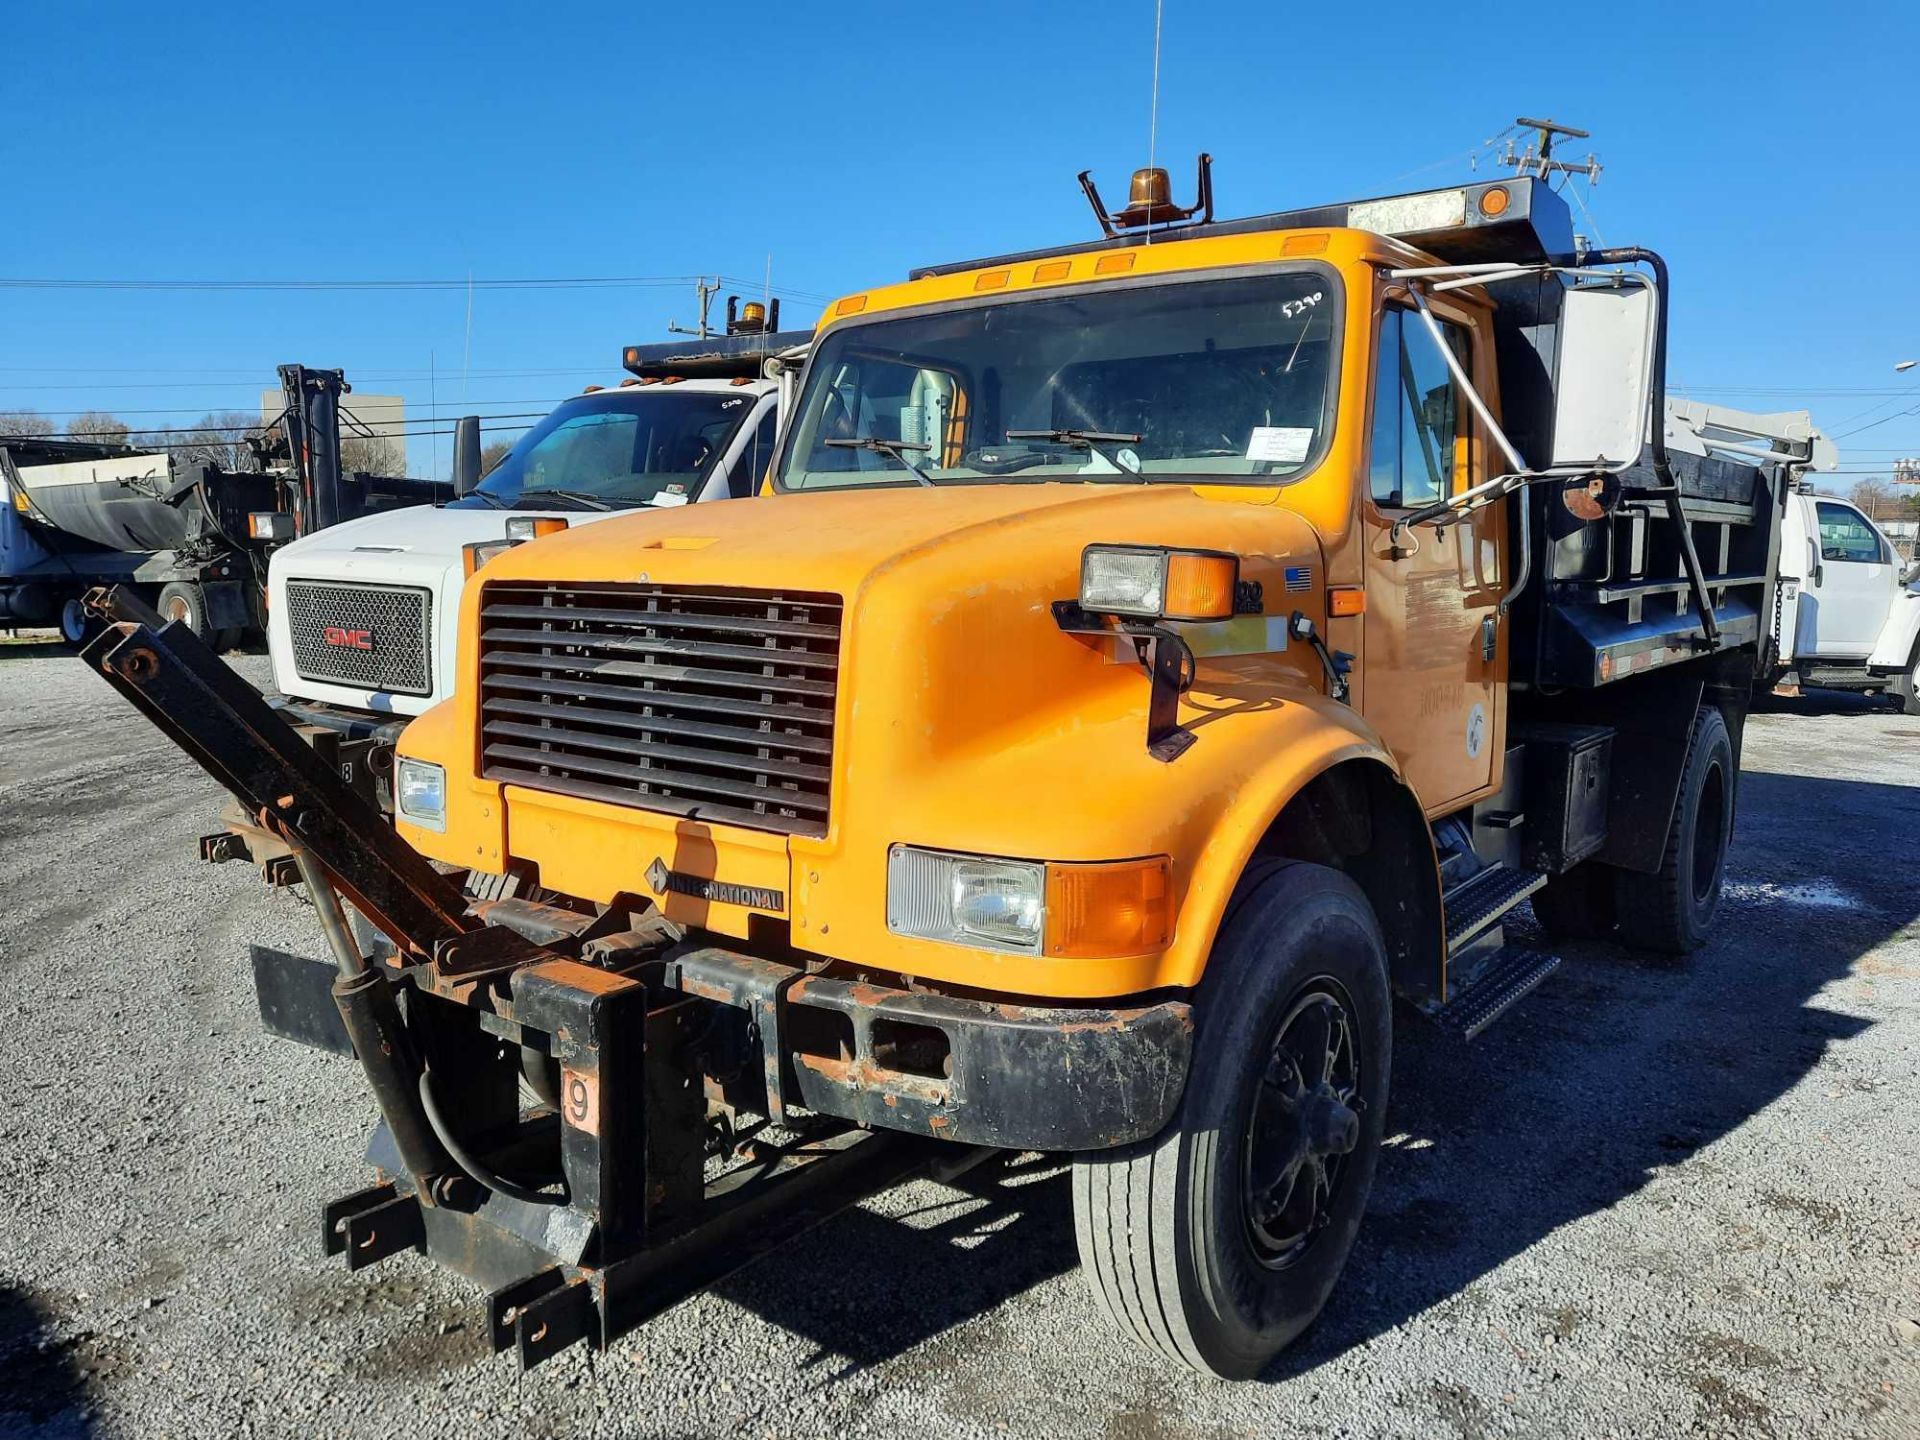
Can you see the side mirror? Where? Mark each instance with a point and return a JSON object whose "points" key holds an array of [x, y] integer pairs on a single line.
{"points": [[1590, 497], [1603, 389], [466, 454], [1912, 573]]}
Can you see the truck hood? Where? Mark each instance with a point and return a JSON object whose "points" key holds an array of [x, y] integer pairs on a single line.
{"points": [[411, 546], [846, 541]]}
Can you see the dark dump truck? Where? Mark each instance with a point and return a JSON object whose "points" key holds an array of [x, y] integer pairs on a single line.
{"points": [[189, 538]]}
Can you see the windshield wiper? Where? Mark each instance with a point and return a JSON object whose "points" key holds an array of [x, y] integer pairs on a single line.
{"points": [[1106, 442], [494, 502], [895, 450], [579, 497]]}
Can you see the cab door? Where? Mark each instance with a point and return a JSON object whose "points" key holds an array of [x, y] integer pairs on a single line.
{"points": [[1845, 598], [1434, 648]]}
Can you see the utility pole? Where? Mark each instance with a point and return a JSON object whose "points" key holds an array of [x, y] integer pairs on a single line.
{"points": [[1537, 159], [707, 292]]}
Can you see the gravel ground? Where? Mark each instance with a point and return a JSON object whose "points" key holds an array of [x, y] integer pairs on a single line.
{"points": [[1651, 1202]]}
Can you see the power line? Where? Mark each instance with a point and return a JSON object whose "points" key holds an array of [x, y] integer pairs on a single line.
{"points": [[375, 425], [135, 441], [555, 282]]}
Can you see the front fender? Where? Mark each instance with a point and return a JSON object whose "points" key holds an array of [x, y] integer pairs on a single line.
{"points": [[1087, 792], [1894, 649]]}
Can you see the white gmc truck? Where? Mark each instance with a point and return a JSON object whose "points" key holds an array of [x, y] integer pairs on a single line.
{"points": [[361, 617]]}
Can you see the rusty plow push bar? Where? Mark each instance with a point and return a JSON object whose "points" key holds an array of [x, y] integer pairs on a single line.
{"points": [[200, 704], [340, 844]]}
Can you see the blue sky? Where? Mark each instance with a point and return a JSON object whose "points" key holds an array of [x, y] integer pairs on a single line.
{"points": [[1767, 149]]}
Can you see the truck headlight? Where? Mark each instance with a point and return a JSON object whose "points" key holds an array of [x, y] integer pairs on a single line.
{"points": [[1151, 583], [967, 899], [420, 793], [1072, 911]]}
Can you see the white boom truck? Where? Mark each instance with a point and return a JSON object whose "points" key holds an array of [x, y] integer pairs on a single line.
{"points": [[1849, 606], [362, 619]]}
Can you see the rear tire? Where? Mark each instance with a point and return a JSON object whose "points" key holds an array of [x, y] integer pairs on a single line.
{"points": [[186, 602], [1671, 910], [1217, 1242], [1578, 905]]}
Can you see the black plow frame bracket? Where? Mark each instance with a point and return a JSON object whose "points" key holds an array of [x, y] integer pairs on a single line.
{"points": [[199, 703], [636, 1225]]}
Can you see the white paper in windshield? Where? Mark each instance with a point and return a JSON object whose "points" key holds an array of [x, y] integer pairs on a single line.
{"points": [[669, 497], [1288, 443]]}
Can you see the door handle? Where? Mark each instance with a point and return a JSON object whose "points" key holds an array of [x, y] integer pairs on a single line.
{"points": [[1814, 571]]}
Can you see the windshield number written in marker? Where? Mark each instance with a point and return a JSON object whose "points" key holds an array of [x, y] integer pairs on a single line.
{"points": [[1305, 303]]}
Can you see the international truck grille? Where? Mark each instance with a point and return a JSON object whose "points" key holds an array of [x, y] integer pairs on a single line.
{"points": [[710, 703], [372, 637]]}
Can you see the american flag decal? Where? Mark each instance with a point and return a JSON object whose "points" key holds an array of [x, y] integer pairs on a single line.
{"points": [[1299, 577]]}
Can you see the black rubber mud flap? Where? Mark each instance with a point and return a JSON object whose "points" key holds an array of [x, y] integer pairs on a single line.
{"points": [[296, 999]]}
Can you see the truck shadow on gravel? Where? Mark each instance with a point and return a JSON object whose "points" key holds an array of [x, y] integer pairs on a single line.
{"points": [[1825, 702], [1623, 1067], [45, 1378], [867, 1287]]}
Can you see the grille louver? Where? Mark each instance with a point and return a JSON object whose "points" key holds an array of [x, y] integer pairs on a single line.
{"points": [[392, 646], [714, 704]]}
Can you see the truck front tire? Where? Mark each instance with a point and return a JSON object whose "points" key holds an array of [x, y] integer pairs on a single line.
{"points": [[1671, 910], [1218, 1241], [1906, 688]]}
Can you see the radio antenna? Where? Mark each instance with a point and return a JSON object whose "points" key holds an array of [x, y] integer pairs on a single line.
{"points": [[1153, 102]]}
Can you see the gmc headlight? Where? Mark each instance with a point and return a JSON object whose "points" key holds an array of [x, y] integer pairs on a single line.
{"points": [[420, 793], [1064, 910]]}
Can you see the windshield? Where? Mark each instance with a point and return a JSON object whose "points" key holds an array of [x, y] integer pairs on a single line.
{"points": [[1215, 380], [637, 446]]}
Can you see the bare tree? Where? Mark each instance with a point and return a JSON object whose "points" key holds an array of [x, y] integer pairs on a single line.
{"points": [[373, 454], [492, 453], [216, 438], [99, 426], [1875, 497], [25, 422]]}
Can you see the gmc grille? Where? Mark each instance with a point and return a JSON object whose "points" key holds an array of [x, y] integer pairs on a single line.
{"points": [[713, 704], [373, 637]]}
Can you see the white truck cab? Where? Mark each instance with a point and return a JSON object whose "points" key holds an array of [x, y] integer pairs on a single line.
{"points": [[1849, 605], [362, 617]]}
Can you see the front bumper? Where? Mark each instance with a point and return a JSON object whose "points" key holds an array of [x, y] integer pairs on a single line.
{"points": [[1020, 1077]]}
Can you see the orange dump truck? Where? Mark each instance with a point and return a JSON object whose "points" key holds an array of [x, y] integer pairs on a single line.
{"points": [[1147, 659]]}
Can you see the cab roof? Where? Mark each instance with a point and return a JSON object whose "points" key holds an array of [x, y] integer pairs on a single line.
{"points": [[1517, 219]]}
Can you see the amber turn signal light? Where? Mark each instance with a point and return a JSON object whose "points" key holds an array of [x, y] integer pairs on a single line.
{"points": [[1120, 908], [1344, 600], [1152, 583], [532, 527]]}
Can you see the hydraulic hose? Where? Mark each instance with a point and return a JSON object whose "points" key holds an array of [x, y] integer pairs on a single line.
{"points": [[464, 1158]]}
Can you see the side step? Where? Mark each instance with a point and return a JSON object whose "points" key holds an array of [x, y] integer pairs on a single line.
{"points": [[1508, 981], [1476, 903]]}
